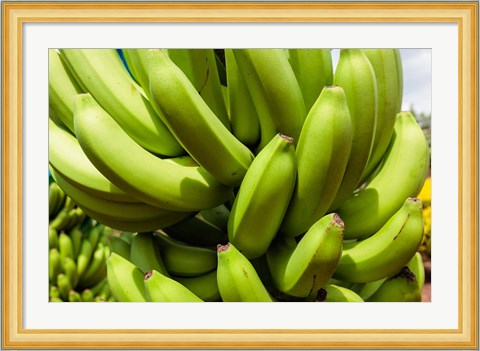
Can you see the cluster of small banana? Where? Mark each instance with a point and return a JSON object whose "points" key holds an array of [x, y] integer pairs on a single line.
{"points": [[312, 173], [78, 251]]}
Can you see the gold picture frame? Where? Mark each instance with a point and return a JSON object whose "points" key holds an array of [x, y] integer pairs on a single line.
{"points": [[16, 14]]}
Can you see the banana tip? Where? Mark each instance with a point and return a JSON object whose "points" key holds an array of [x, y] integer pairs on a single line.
{"points": [[148, 275], [222, 248], [321, 295], [287, 138], [338, 220]]}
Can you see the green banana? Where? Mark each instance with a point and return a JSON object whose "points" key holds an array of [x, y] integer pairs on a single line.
{"points": [[354, 73], [56, 199], [64, 286], [402, 287], [54, 265], [334, 293], [131, 211], [415, 265], [372, 259], [188, 116], [96, 269], [204, 286], [62, 88], [70, 270], [243, 116], [314, 70], [65, 247], [52, 238], [120, 247], [384, 63], [145, 253], [322, 155], [200, 66], [84, 256], [206, 228], [302, 269], [87, 295], [274, 90], [74, 296], [129, 166], [102, 73], [400, 176], [77, 236], [185, 260], [67, 158], [160, 288], [263, 198], [365, 290], [125, 280], [237, 279]]}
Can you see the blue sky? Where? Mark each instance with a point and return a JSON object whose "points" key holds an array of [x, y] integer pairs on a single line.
{"points": [[417, 78]]}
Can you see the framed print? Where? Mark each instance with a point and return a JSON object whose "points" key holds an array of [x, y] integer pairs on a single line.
{"points": [[446, 32]]}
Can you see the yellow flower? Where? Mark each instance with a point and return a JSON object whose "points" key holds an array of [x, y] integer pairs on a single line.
{"points": [[426, 192]]}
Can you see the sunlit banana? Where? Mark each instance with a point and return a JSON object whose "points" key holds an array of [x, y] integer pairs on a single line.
{"points": [[52, 238], [243, 116], [160, 288], [200, 66], [64, 286], [388, 250], [129, 166], [188, 116], [401, 175], [322, 156], [185, 260], [62, 88], [384, 63], [354, 73], [274, 90], [54, 265], [204, 286], [314, 70], [68, 159], [237, 279], [102, 73], [263, 198], [402, 287], [302, 269], [145, 253], [335, 293], [125, 280]]}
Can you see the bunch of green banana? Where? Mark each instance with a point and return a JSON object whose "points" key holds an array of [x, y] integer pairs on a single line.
{"points": [[235, 175], [77, 255]]}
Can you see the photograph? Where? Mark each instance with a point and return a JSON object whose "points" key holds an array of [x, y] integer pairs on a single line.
{"points": [[160, 154]]}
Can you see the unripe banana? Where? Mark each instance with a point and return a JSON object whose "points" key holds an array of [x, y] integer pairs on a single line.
{"points": [[64, 286], [274, 91], [335, 293], [384, 63], [354, 73], [194, 124], [314, 70], [129, 166], [402, 287], [243, 116], [52, 238], [145, 253], [54, 265], [62, 88], [84, 256], [263, 198], [96, 269], [74, 296], [302, 269], [387, 251], [365, 290], [120, 247], [68, 159], [322, 156], [200, 66], [125, 280], [185, 260], [70, 270], [53, 199], [237, 279], [400, 176], [416, 267], [87, 295], [65, 247], [102, 73], [160, 288], [204, 286]]}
